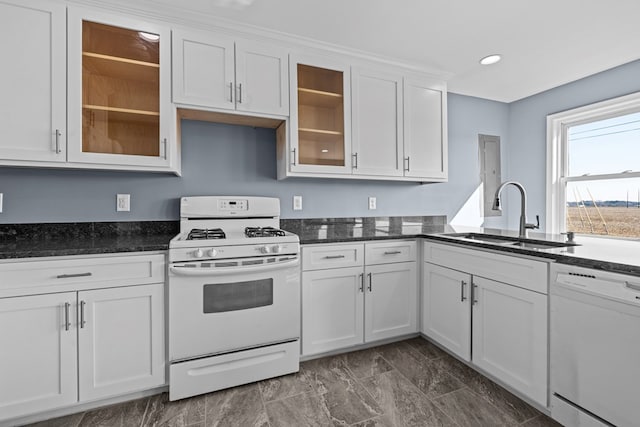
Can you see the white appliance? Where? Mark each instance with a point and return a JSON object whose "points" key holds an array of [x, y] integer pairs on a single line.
{"points": [[595, 347], [234, 295]]}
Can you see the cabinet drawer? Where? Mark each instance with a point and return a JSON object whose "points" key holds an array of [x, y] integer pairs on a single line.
{"points": [[332, 256], [384, 253], [54, 274], [522, 272]]}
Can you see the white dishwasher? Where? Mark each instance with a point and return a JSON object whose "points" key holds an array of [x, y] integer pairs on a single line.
{"points": [[595, 347]]}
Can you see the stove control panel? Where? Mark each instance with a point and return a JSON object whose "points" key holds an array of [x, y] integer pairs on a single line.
{"points": [[229, 205], [233, 251]]}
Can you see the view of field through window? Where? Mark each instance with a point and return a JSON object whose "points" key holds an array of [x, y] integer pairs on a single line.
{"points": [[605, 205]]}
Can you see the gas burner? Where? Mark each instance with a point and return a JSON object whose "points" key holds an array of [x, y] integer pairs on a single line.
{"points": [[263, 232], [206, 233]]}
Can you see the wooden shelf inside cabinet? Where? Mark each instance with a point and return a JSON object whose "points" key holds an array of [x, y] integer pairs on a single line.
{"points": [[126, 114], [121, 68], [319, 134], [319, 98]]}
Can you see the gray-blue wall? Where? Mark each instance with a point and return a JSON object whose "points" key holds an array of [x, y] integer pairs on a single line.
{"points": [[526, 151], [237, 160]]}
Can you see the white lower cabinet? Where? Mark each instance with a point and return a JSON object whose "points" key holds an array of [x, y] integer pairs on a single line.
{"points": [[510, 336], [351, 305], [38, 353], [332, 309], [120, 340], [446, 316], [88, 340], [498, 326]]}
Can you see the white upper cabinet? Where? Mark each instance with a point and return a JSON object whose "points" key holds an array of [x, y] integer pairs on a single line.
{"points": [[119, 102], [320, 122], [376, 122], [33, 84], [218, 72], [425, 129]]}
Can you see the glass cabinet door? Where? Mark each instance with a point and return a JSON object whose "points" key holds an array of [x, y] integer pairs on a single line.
{"points": [[120, 90], [119, 102], [320, 130]]}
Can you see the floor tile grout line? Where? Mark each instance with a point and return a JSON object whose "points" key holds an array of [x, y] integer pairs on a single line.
{"points": [[494, 406]]}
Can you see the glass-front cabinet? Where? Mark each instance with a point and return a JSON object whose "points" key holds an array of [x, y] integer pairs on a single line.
{"points": [[320, 139], [119, 102]]}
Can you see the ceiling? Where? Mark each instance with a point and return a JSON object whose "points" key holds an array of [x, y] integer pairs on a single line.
{"points": [[544, 43]]}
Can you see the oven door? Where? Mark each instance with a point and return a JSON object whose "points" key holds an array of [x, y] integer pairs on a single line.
{"points": [[218, 307]]}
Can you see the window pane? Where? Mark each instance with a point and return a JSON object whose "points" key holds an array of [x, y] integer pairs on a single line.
{"points": [[604, 207], [605, 146]]}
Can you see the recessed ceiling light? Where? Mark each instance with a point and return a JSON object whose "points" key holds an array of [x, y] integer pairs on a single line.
{"points": [[491, 59], [324, 150], [149, 36]]}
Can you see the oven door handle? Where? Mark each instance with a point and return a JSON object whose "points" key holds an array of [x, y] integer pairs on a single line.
{"points": [[204, 271]]}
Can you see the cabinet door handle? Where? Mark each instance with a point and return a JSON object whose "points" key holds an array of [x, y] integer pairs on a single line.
{"points": [[408, 160], [462, 285], [293, 161], [392, 252], [355, 160], [67, 276], [231, 92], [240, 93], [474, 292], [333, 256], [82, 321], [370, 280], [362, 282], [67, 323], [631, 285], [58, 134], [166, 147]]}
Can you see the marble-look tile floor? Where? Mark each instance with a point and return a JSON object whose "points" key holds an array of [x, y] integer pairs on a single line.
{"points": [[409, 383]]}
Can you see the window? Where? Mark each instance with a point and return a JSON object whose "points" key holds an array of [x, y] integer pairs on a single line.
{"points": [[593, 169]]}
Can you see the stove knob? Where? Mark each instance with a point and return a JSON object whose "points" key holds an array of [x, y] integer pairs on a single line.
{"points": [[276, 249], [265, 249], [198, 253], [213, 252]]}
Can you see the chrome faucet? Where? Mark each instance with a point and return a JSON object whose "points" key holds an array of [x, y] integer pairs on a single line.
{"points": [[524, 226]]}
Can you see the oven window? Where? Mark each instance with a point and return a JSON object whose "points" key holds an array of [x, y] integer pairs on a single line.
{"points": [[223, 297]]}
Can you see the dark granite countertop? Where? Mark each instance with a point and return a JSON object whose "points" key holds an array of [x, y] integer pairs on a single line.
{"points": [[60, 239], [617, 255]]}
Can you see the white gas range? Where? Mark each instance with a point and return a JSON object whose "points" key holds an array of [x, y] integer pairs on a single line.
{"points": [[234, 295]]}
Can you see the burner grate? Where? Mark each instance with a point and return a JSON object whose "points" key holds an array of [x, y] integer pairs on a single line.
{"points": [[263, 232], [206, 233]]}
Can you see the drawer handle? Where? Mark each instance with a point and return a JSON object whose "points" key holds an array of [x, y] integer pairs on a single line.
{"points": [[392, 252], [67, 276], [632, 286], [334, 256]]}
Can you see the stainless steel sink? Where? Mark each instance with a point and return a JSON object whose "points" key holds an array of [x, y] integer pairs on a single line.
{"points": [[509, 241]]}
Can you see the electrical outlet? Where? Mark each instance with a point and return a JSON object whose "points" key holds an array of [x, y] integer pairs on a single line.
{"points": [[297, 203], [372, 203], [123, 202], [1, 202]]}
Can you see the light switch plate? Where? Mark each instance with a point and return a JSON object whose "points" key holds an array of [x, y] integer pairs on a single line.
{"points": [[372, 203], [297, 203], [123, 202]]}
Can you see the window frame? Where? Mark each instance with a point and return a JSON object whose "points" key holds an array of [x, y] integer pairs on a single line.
{"points": [[557, 158]]}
